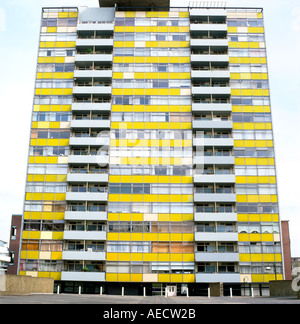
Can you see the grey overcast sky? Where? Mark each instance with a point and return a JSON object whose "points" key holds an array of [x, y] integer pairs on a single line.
{"points": [[19, 33]]}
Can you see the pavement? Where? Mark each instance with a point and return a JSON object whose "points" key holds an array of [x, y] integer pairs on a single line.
{"points": [[140, 300]]}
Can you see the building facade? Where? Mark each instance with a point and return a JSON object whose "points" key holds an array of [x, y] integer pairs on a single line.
{"points": [[4, 257], [14, 244], [151, 159]]}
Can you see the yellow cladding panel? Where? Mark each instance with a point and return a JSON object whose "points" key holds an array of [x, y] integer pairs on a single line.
{"points": [[232, 29], [44, 274], [152, 257], [256, 257], [268, 257], [137, 257], [243, 237], [267, 237], [124, 236], [136, 277], [57, 235], [241, 198], [176, 277], [254, 218], [111, 277], [152, 14], [123, 256], [255, 237], [58, 216], [244, 257], [57, 60], [33, 235], [235, 76], [112, 236], [254, 45], [183, 14], [124, 277], [259, 278], [56, 255], [32, 255], [242, 217], [164, 257], [188, 278], [163, 277]]}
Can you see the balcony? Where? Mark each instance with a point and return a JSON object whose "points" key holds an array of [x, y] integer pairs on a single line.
{"points": [[93, 57], [215, 217], [210, 73], [102, 90], [91, 106], [87, 177], [94, 42], [93, 73], [101, 160], [218, 197], [86, 123], [195, 57], [87, 196], [86, 215], [223, 160], [82, 276], [216, 257], [214, 178], [216, 236], [85, 235], [95, 26], [213, 141], [217, 277], [209, 107], [84, 255], [85, 140], [210, 90], [208, 42], [212, 123], [194, 27]]}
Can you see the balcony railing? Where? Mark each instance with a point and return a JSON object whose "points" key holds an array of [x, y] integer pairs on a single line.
{"points": [[208, 22], [208, 52], [211, 209], [82, 208], [208, 84], [80, 227], [94, 37], [95, 22], [86, 171], [90, 68], [80, 267], [89, 100], [207, 68], [211, 101], [84, 52], [215, 229], [92, 189]]}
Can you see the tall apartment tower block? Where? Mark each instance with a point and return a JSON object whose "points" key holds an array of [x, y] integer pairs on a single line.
{"points": [[151, 157]]}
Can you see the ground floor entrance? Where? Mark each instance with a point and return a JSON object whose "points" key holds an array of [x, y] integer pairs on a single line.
{"points": [[162, 289], [171, 291]]}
